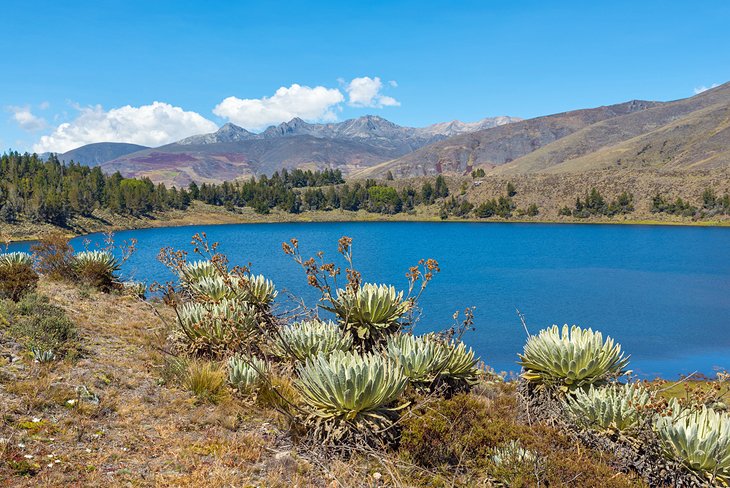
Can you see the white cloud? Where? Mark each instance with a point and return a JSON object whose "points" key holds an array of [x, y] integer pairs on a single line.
{"points": [[149, 125], [365, 92], [705, 88], [44, 105], [316, 104], [26, 119]]}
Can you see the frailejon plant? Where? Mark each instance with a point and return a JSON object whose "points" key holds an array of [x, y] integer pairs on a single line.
{"points": [[575, 358], [17, 276], [611, 408], [461, 363], [43, 355], [699, 438], [371, 311], [96, 268], [211, 289], [16, 259], [193, 272], [256, 290], [246, 374], [512, 459], [302, 340], [347, 390], [214, 327], [423, 357]]}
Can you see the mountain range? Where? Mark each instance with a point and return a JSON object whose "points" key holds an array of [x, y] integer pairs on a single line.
{"points": [[233, 152], [689, 133]]}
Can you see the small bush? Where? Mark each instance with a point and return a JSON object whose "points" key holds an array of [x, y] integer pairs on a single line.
{"points": [[17, 276], [54, 256], [41, 326]]}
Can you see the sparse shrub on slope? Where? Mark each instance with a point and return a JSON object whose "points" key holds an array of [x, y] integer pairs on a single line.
{"points": [[575, 358], [699, 438], [17, 276], [54, 257], [41, 327]]}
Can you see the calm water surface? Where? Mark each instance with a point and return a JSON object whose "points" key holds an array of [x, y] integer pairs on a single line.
{"points": [[662, 292]]}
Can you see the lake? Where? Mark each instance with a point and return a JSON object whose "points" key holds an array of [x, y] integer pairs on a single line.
{"points": [[662, 292]]}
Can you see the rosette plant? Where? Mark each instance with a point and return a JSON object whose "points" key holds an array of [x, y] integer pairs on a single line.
{"points": [[96, 268], [574, 358], [210, 328], [370, 311], [348, 391], [611, 408], [302, 340], [699, 438], [17, 276], [246, 374]]}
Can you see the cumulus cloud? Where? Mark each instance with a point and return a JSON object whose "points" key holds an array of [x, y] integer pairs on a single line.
{"points": [[318, 104], [26, 119], [365, 92], [703, 88], [149, 125]]}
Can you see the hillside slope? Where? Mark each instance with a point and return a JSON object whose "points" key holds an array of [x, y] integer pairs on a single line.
{"points": [[496, 146], [679, 134]]}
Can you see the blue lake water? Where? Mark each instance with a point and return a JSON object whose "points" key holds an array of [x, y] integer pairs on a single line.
{"points": [[662, 292]]}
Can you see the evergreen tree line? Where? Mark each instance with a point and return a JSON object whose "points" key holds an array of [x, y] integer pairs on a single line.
{"points": [[712, 204], [595, 204], [50, 191]]}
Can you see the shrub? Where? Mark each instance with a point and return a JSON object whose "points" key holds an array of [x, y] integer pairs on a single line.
{"points": [[96, 268], [699, 438], [17, 276], [302, 340], [614, 408], [41, 326], [246, 375], [577, 357], [346, 391], [54, 256], [370, 312]]}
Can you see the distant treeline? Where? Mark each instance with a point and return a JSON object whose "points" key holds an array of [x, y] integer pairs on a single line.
{"points": [[49, 191]]}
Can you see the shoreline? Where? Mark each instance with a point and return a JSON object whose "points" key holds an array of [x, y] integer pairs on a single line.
{"points": [[218, 216]]}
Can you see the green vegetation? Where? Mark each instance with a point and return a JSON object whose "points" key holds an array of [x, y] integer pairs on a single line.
{"points": [[698, 437], [712, 205], [43, 329], [17, 276], [617, 408], [573, 358]]}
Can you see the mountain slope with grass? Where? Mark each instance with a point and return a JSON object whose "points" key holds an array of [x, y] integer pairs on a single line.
{"points": [[690, 133]]}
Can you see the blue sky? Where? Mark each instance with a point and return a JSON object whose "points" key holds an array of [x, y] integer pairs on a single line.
{"points": [[99, 66]]}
